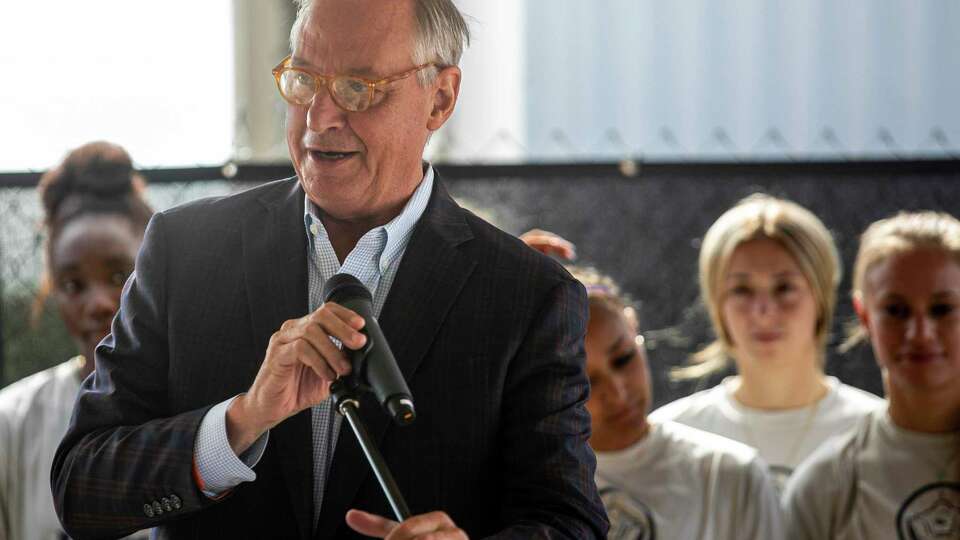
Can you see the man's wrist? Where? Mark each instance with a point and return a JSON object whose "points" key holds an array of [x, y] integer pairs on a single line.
{"points": [[220, 466], [242, 427]]}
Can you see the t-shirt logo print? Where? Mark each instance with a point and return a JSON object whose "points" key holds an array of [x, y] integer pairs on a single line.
{"points": [[629, 518], [931, 512]]}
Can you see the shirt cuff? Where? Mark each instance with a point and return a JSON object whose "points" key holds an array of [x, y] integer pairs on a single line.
{"points": [[218, 468]]}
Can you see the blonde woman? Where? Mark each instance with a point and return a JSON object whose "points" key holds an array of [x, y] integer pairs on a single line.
{"points": [[897, 475], [768, 276]]}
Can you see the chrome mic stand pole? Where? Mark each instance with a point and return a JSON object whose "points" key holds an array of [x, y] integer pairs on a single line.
{"points": [[345, 401]]}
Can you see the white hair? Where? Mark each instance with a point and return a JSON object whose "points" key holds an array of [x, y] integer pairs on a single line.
{"points": [[442, 34]]}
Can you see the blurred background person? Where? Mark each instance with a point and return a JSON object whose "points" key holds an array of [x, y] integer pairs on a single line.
{"points": [[95, 215], [657, 479], [769, 271], [662, 479], [897, 475]]}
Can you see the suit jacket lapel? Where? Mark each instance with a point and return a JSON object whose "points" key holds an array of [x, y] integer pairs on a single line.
{"points": [[275, 268], [430, 277]]}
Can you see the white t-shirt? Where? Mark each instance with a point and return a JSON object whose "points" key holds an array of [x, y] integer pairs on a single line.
{"points": [[878, 482], [685, 484], [34, 413], [782, 438]]}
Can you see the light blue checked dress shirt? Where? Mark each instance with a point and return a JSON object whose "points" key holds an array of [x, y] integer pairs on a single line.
{"points": [[374, 261]]}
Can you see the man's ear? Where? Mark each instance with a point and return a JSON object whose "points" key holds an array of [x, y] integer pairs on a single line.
{"points": [[861, 310], [446, 88]]}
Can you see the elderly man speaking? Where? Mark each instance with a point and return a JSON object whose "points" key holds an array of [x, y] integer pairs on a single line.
{"points": [[209, 415]]}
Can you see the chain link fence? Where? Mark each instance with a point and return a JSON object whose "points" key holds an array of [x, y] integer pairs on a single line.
{"points": [[640, 223], [30, 344]]}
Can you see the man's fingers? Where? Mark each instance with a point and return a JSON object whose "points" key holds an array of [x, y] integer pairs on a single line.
{"points": [[308, 339], [338, 329], [370, 524], [307, 354], [350, 317], [330, 320], [435, 525], [329, 352], [423, 524], [340, 323]]}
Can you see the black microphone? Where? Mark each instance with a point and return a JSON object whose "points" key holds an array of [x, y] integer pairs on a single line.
{"points": [[374, 364]]}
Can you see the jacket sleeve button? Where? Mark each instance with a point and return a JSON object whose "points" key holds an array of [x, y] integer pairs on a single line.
{"points": [[148, 510]]}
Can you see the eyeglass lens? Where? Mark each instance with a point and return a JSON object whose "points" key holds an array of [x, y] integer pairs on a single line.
{"points": [[300, 87]]}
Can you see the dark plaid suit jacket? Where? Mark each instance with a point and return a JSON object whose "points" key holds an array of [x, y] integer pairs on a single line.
{"points": [[487, 332]]}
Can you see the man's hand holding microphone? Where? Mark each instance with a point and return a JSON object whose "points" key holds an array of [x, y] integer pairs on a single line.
{"points": [[300, 364], [296, 373]]}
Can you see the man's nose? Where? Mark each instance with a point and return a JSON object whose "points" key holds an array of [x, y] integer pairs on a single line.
{"points": [[323, 113]]}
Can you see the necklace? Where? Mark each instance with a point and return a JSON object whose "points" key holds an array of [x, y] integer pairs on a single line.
{"points": [[752, 440]]}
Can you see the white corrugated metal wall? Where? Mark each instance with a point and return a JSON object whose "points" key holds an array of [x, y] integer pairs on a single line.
{"points": [[702, 79]]}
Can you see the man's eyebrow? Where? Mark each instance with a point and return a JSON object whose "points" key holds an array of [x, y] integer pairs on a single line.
{"points": [[363, 71]]}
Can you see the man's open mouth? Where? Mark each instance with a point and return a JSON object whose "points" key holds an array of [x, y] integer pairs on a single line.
{"points": [[331, 156]]}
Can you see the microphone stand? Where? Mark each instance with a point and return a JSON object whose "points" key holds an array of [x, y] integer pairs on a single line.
{"points": [[345, 401]]}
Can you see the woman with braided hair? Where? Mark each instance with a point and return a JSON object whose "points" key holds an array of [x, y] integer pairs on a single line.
{"points": [[95, 215]]}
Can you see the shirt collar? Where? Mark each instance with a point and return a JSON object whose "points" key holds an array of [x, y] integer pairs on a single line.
{"points": [[397, 231]]}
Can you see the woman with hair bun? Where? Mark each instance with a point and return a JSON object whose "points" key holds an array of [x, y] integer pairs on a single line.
{"points": [[769, 271], [95, 216], [897, 474]]}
